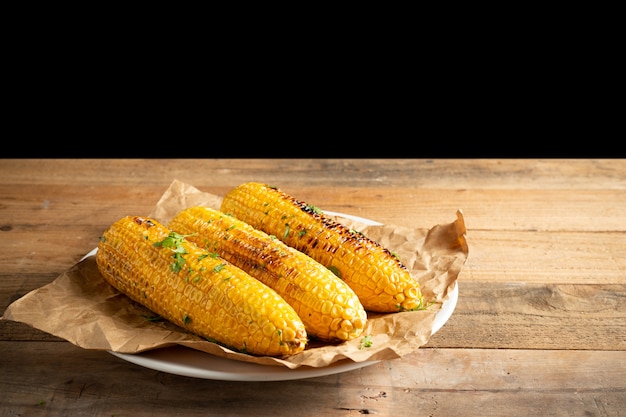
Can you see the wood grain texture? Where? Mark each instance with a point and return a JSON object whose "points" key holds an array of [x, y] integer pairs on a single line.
{"points": [[495, 315], [433, 382], [539, 328], [519, 174], [536, 316]]}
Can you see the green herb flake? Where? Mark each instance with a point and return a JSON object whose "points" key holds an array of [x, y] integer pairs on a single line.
{"points": [[210, 339], [419, 307], [334, 270], [174, 241], [311, 207], [178, 263], [356, 232], [366, 342], [218, 268], [153, 318]]}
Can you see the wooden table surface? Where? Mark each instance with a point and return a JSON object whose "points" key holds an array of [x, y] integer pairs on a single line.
{"points": [[539, 328]]}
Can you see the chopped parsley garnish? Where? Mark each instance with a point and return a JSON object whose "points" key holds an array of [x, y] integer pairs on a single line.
{"points": [[311, 207], [356, 232], [153, 318], [366, 342], [334, 270], [174, 241]]}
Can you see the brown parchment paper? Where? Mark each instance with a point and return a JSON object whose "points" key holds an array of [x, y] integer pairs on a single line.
{"points": [[82, 308]]}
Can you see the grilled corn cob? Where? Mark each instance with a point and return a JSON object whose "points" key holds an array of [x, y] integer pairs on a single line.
{"points": [[204, 294], [328, 307], [381, 281]]}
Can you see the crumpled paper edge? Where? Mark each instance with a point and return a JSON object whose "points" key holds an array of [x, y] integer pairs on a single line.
{"points": [[434, 265]]}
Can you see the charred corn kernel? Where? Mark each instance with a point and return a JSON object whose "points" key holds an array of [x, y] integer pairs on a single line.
{"points": [[310, 288], [381, 281], [202, 293]]}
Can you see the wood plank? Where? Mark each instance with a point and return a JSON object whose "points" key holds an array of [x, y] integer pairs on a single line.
{"points": [[17, 285], [73, 204], [499, 256], [495, 315], [20, 332], [380, 173], [531, 210], [545, 257], [536, 316], [495, 245], [51, 379], [508, 209]]}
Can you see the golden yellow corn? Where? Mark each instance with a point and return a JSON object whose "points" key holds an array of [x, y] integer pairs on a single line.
{"points": [[328, 307], [204, 294], [381, 281]]}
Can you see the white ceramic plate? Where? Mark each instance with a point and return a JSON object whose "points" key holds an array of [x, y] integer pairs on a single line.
{"points": [[183, 361]]}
